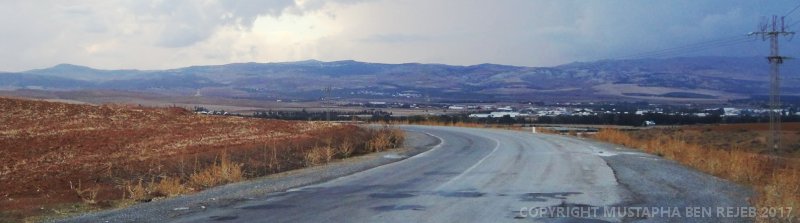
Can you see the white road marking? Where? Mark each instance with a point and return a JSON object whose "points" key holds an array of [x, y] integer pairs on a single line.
{"points": [[497, 146]]}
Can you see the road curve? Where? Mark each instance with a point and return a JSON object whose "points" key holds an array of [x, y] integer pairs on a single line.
{"points": [[486, 175]]}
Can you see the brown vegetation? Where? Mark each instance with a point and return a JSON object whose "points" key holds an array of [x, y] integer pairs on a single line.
{"points": [[775, 179], [56, 153], [751, 137]]}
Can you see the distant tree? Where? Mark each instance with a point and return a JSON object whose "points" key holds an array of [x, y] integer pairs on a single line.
{"points": [[506, 120]]}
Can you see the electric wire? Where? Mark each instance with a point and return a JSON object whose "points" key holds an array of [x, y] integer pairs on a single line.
{"points": [[690, 48]]}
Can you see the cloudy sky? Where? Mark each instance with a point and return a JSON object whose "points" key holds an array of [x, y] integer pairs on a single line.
{"points": [[157, 34]]}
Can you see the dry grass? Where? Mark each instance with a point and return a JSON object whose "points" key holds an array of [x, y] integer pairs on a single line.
{"points": [[221, 172], [385, 139], [143, 153], [136, 191], [346, 148], [87, 195], [169, 187], [775, 179], [315, 156]]}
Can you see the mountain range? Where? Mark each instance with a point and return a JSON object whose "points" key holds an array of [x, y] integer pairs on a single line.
{"points": [[710, 79]]}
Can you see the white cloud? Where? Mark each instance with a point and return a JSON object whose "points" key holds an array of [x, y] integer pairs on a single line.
{"points": [[154, 34]]}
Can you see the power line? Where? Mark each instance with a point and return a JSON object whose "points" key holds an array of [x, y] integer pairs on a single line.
{"points": [[795, 23], [791, 11], [702, 48], [699, 46], [689, 48], [681, 47]]}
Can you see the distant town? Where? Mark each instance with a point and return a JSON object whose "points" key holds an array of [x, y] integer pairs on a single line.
{"points": [[619, 113]]}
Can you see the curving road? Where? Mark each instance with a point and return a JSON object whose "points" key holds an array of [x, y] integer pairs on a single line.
{"points": [[485, 175]]}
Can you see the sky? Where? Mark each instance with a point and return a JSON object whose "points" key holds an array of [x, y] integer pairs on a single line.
{"points": [[162, 34]]}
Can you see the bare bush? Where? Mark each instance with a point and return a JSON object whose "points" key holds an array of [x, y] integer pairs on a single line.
{"points": [[87, 195], [138, 191], [386, 138], [223, 171], [169, 187], [314, 156], [346, 148]]}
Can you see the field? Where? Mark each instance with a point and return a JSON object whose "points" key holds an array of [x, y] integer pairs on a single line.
{"points": [[751, 137], [56, 157], [734, 152]]}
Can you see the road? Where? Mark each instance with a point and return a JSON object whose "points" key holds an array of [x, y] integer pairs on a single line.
{"points": [[486, 175]]}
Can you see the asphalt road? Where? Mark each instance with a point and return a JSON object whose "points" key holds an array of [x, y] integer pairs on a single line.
{"points": [[485, 175]]}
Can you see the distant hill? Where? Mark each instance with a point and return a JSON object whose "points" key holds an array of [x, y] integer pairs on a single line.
{"points": [[675, 79]]}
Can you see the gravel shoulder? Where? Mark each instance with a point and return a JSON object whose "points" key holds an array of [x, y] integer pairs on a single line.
{"points": [[652, 181]]}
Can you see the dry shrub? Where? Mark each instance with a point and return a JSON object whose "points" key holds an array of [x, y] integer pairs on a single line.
{"points": [[379, 143], [346, 148], [137, 192], [315, 156], [777, 180], [386, 138], [222, 171], [87, 195], [781, 190], [169, 187], [329, 153]]}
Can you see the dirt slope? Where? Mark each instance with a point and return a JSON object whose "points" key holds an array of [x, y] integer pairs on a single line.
{"points": [[47, 148]]}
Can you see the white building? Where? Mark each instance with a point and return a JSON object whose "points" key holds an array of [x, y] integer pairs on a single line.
{"points": [[501, 114], [496, 115], [506, 108], [732, 111]]}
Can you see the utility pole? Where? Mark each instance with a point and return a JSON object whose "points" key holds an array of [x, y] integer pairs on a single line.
{"points": [[772, 30]]}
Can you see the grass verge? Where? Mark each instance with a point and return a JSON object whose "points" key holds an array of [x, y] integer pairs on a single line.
{"points": [[775, 179]]}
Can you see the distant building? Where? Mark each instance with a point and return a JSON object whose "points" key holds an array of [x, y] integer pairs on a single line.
{"points": [[649, 123], [506, 108], [732, 111], [496, 115], [455, 107], [501, 114], [479, 115]]}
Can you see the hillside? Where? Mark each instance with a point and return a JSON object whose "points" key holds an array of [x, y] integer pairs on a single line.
{"points": [[55, 153], [711, 79]]}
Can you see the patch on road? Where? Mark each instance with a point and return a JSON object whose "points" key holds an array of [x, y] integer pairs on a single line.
{"points": [[391, 195], [399, 208], [461, 194], [542, 197], [267, 206], [224, 218]]}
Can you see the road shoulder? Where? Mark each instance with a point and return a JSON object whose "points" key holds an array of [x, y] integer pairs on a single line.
{"points": [[226, 195], [652, 181]]}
